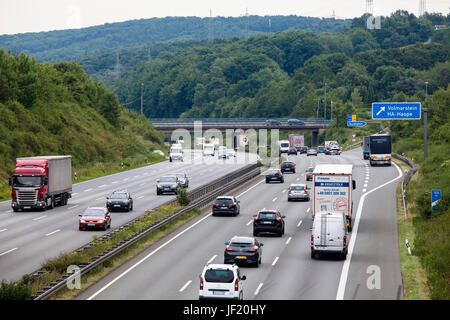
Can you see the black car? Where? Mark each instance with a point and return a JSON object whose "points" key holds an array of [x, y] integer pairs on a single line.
{"points": [[274, 175], [270, 221], [272, 122], [287, 166], [226, 205], [292, 150], [295, 122], [167, 184], [304, 149], [243, 250], [119, 200]]}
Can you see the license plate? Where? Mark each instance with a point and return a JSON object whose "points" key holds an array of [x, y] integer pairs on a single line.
{"points": [[219, 293], [223, 207], [27, 207], [91, 224], [117, 205], [241, 257], [267, 222]]}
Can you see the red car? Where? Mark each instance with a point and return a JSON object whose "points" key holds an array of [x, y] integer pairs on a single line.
{"points": [[95, 218]]}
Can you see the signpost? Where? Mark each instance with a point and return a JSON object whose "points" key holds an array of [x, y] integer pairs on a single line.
{"points": [[435, 197], [396, 111]]}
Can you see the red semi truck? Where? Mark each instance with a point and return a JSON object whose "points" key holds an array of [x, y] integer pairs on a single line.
{"points": [[41, 182], [297, 141]]}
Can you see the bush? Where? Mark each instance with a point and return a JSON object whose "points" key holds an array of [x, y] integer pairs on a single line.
{"points": [[183, 197], [14, 291]]}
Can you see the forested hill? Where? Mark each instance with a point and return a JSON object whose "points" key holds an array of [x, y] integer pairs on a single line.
{"points": [[68, 45], [286, 74], [57, 109]]}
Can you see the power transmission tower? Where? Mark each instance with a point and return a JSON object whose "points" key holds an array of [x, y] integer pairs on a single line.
{"points": [[369, 6], [422, 7], [117, 66]]}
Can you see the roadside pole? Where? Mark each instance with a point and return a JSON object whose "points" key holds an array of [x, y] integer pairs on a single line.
{"points": [[425, 133]]}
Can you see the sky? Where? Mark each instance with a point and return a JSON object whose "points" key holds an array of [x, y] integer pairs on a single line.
{"points": [[20, 16]]}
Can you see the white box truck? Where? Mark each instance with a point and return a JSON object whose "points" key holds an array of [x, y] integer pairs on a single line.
{"points": [[332, 189], [208, 149]]}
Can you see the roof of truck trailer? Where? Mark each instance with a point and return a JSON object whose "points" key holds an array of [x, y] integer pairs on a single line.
{"points": [[333, 169], [45, 157]]}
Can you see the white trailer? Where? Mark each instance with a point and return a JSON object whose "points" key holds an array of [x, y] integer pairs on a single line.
{"points": [[332, 189]]}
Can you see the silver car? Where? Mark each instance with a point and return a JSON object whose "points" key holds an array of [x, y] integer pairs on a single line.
{"points": [[298, 192], [183, 179]]}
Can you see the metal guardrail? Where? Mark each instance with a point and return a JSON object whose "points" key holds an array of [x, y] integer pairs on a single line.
{"points": [[200, 197], [407, 177]]}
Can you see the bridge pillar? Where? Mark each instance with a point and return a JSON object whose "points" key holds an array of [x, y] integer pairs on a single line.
{"points": [[314, 138]]}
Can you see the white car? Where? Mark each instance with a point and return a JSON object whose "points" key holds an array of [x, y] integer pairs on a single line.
{"points": [[222, 152], [175, 154], [311, 152], [221, 281], [231, 153]]}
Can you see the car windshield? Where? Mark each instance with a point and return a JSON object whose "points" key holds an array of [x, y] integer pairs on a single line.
{"points": [[168, 179], [224, 201], [175, 151], [180, 175], [273, 172], [219, 275], [118, 196], [285, 145], [93, 212], [310, 170], [304, 148], [267, 215], [241, 244], [301, 187], [287, 163], [27, 181]]}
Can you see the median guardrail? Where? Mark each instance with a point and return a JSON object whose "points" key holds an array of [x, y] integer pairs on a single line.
{"points": [[407, 177], [200, 197]]}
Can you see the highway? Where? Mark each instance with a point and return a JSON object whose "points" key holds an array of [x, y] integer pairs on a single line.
{"points": [[29, 238], [170, 268]]}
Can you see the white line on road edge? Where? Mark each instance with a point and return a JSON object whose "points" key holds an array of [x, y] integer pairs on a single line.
{"points": [[53, 232], [346, 267], [288, 240], [1, 254], [185, 286], [299, 224], [213, 257], [39, 218], [259, 288], [3, 230], [275, 261], [146, 257], [248, 223]]}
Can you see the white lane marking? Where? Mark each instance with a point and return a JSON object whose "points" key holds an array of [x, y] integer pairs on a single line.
{"points": [[53, 232], [298, 179], [136, 176], [346, 267], [185, 286], [139, 197], [73, 207], [259, 288], [250, 188], [142, 184], [115, 182], [309, 209], [275, 261], [3, 230], [211, 260], [87, 190], [288, 240], [274, 199], [146, 257], [39, 218], [103, 185], [126, 179], [248, 223], [100, 198], [283, 191], [364, 190], [299, 224], [74, 194], [365, 185], [6, 252]]}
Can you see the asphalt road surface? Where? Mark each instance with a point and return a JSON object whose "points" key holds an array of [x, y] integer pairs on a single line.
{"points": [[170, 268], [29, 238]]}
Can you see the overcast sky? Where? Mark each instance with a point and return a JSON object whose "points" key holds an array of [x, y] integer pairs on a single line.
{"points": [[19, 16]]}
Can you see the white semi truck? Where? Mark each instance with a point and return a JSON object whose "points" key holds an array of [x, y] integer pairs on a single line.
{"points": [[332, 189]]}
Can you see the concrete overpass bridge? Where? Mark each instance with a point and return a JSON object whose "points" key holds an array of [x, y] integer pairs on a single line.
{"points": [[200, 125]]}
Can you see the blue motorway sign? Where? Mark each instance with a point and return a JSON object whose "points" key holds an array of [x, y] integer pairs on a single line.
{"points": [[396, 111], [356, 123], [435, 197]]}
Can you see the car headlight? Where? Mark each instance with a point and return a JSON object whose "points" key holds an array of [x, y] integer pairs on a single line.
{"points": [[101, 220], [82, 220], [158, 186]]}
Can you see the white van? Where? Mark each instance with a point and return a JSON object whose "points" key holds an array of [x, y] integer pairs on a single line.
{"points": [[221, 281], [208, 149], [329, 234], [284, 146], [175, 153], [222, 152]]}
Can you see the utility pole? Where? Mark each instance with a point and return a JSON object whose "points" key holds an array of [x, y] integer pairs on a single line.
{"points": [[325, 109], [331, 111], [426, 90], [142, 98], [425, 133]]}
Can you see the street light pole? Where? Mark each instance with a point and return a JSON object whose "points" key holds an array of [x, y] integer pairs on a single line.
{"points": [[142, 98], [325, 109], [426, 90]]}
